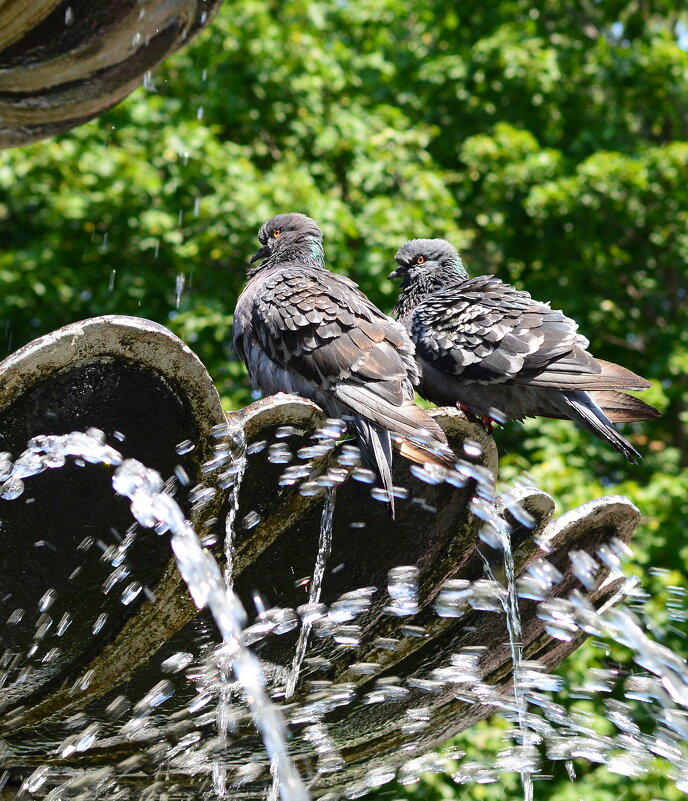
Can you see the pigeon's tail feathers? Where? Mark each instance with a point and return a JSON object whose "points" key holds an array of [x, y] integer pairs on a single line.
{"points": [[419, 453], [622, 408], [621, 378], [421, 439], [376, 454], [416, 435], [582, 409], [579, 371]]}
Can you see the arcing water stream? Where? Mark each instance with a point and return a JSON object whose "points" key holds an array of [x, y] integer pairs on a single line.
{"points": [[154, 508], [324, 546], [233, 476]]}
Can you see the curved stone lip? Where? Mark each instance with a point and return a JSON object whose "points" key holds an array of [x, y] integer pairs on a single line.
{"points": [[280, 408], [111, 337], [626, 516], [56, 74]]}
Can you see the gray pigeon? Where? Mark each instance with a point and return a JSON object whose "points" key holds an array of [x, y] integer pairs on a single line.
{"points": [[498, 354], [302, 329]]}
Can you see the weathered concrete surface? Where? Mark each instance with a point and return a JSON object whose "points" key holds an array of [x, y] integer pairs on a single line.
{"points": [[63, 62], [135, 380], [49, 386]]}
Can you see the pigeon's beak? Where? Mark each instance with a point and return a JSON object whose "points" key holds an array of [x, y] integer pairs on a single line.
{"points": [[263, 253], [395, 273]]}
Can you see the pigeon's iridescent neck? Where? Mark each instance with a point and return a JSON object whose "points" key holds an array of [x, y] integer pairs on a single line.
{"points": [[316, 252], [306, 252]]}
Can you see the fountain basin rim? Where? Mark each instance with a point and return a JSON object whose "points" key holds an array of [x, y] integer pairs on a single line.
{"points": [[135, 340]]}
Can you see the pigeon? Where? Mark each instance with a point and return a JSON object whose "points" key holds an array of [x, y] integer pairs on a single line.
{"points": [[498, 354], [302, 329]]}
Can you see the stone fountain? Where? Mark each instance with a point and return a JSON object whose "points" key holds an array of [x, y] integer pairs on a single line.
{"points": [[112, 677]]}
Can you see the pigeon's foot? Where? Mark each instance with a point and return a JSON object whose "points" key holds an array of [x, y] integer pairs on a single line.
{"points": [[487, 423], [469, 414], [483, 420]]}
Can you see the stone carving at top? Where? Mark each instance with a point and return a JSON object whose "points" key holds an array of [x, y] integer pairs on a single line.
{"points": [[64, 62]]}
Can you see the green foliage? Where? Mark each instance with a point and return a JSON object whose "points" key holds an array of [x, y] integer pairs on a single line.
{"points": [[548, 141]]}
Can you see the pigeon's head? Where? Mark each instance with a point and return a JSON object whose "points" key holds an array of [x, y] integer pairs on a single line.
{"points": [[290, 236], [428, 260]]}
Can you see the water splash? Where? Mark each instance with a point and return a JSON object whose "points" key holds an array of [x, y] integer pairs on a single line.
{"points": [[233, 478], [662, 687], [324, 547], [527, 758], [152, 507], [496, 531]]}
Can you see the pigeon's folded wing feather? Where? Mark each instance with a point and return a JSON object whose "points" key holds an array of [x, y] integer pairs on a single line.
{"points": [[346, 347], [484, 331], [326, 329]]}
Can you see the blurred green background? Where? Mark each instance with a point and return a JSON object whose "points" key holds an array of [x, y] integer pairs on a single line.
{"points": [[548, 141]]}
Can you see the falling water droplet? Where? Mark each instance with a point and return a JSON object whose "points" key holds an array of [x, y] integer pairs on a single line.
{"points": [[176, 662], [15, 617], [47, 600], [100, 621], [402, 587], [250, 520], [131, 593], [63, 625], [11, 489], [35, 780], [179, 289], [162, 691]]}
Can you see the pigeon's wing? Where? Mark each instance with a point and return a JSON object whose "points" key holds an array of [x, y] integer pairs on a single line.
{"points": [[323, 327], [485, 331]]}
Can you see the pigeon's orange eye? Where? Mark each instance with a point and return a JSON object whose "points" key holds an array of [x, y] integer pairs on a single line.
{"points": [[276, 233], [420, 259]]}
